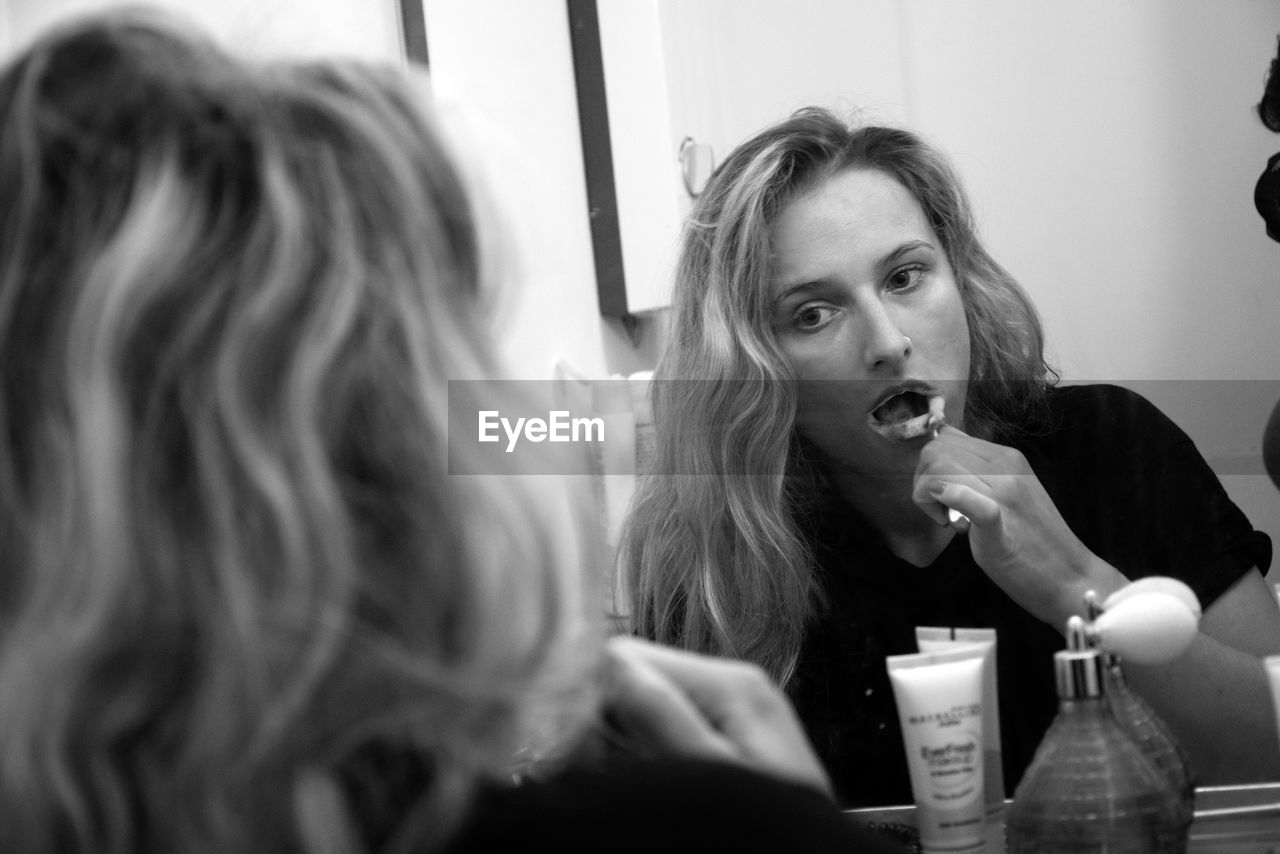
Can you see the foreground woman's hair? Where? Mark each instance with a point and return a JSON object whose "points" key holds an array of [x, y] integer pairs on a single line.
{"points": [[230, 300]]}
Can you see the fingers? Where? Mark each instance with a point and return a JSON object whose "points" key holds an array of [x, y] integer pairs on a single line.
{"points": [[647, 706], [724, 693], [954, 501], [932, 508], [693, 704], [954, 459], [981, 509]]}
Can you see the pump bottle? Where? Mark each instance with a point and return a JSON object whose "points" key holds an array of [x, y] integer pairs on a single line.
{"points": [[1090, 789]]}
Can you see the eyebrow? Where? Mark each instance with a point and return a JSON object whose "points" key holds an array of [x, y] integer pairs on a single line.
{"points": [[909, 246], [891, 257]]}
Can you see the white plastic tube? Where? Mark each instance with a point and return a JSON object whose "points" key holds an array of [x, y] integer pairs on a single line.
{"points": [[939, 697], [937, 639]]}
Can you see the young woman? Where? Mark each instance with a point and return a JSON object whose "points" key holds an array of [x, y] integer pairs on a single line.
{"points": [[832, 291], [245, 608]]}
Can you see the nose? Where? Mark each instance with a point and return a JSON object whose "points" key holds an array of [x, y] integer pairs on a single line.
{"points": [[886, 347]]}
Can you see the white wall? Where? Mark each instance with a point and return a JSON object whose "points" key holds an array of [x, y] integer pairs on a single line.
{"points": [[1112, 153], [507, 68], [5, 35]]}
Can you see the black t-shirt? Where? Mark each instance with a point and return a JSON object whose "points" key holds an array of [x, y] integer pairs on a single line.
{"points": [[669, 806], [1132, 487], [609, 800]]}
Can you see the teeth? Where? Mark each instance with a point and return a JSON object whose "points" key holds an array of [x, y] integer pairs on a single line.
{"points": [[902, 431], [882, 418]]}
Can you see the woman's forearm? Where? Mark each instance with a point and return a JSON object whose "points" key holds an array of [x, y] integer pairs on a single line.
{"points": [[1217, 701]]}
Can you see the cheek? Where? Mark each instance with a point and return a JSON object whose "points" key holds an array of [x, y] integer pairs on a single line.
{"points": [[809, 358], [818, 401], [961, 338], [828, 433], [823, 410], [831, 414], [956, 332]]}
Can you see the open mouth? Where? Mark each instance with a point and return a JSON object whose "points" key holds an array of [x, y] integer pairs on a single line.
{"points": [[905, 415]]}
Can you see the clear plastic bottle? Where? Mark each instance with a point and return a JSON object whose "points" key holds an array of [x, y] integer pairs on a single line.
{"points": [[1145, 726], [1090, 789], [1152, 736]]}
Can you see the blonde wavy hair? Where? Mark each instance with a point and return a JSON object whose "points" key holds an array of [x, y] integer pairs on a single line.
{"points": [[713, 555], [232, 297]]}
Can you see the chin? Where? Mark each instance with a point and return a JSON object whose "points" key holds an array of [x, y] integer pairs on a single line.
{"points": [[876, 457]]}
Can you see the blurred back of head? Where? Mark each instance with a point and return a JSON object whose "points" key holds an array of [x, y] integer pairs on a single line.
{"points": [[231, 298], [1269, 104]]}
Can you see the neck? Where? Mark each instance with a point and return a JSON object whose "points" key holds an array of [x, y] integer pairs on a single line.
{"points": [[886, 504]]}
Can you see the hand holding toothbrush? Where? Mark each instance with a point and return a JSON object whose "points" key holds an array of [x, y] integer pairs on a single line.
{"points": [[937, 420], [1015, 531]]}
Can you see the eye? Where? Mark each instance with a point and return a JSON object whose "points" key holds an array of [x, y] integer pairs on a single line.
{"points": [[812, 316], [906, 278]]}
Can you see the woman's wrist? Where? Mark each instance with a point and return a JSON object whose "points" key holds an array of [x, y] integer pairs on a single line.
{"points": [[1089, 573]]}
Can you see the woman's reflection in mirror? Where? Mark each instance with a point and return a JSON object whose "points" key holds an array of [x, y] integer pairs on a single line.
{"points": [[831, 288]]}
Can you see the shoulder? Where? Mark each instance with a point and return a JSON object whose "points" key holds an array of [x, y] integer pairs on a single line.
{"points": [[1100, 419], [1100, 402], [675, 805], [1134, 487]]}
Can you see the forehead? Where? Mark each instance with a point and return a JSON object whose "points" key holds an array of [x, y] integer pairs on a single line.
{"points": [[852, 218]]}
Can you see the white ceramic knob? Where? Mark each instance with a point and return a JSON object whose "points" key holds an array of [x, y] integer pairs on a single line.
{"points": [[1157, 584], [1146, 627]]}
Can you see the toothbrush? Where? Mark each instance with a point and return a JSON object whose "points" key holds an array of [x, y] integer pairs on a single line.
{"points": [[937, 418]]}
